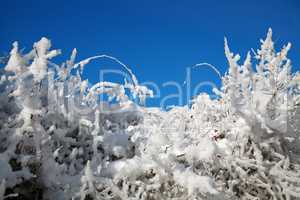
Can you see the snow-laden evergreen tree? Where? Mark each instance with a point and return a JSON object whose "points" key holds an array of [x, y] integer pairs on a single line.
{"points": [[58, 141]]}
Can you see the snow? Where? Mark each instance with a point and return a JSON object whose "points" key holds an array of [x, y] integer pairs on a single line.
{"points": [[39, 65], [15, 61], [194, 182], [244, 144], [2, 189]]}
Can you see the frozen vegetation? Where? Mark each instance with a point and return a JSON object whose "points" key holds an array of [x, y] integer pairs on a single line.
{"points": [[245, 144]]}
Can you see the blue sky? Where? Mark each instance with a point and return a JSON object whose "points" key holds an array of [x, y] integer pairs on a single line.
{"points": [[157, 39]]}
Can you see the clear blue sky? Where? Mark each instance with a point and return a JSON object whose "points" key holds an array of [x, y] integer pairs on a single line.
{"points": [[157, 38]]}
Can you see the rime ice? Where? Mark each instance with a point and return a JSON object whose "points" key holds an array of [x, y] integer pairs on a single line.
{"points": [[242, 145]]}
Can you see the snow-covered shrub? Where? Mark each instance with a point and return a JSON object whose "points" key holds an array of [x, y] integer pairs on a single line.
{"points": [[58, 141], [263, 106]]}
